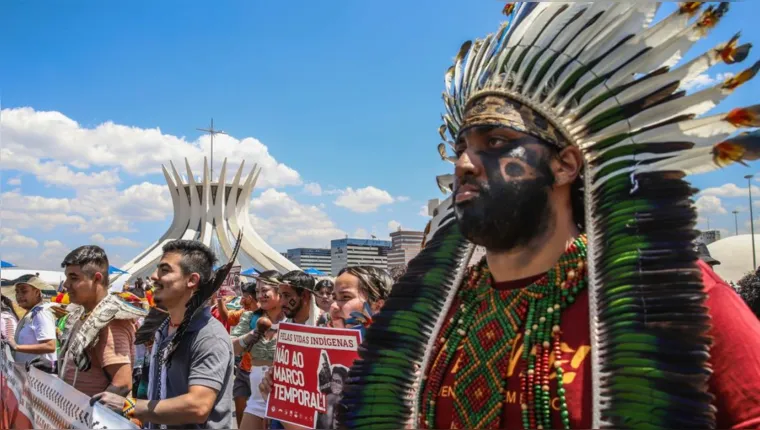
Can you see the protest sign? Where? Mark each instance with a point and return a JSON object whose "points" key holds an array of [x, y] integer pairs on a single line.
{"points": [[310, 368], [35, 399], [231, 285]]}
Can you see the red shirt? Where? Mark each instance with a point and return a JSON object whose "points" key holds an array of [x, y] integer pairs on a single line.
{"points": [[215, 314], [735, 359]]}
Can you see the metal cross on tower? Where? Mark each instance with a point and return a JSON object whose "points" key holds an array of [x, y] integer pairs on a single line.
{"points": [[212, 132]]}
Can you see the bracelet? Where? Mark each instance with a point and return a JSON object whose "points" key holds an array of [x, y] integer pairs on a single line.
{"points": [[243, 343], [129, 407]]}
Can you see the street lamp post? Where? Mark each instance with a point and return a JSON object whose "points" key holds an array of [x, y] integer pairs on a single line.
{"points": [[751, 221], [736, 221]]}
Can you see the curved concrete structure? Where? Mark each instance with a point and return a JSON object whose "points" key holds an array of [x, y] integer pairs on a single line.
{"points": [[735, 256], [211, 211]]}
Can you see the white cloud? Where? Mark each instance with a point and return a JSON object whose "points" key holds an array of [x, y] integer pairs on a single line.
{"points": [[313, 188], [115, 241], [360, 233], [730, 190], [710, 205], [704, 80], [39, 220], [54, 172], [31, 139], [402, 199], [393, 226], [53, 254], [424, 211], [285, 223], [93, 210], [363, 200], [14, 181], [11, 239]]}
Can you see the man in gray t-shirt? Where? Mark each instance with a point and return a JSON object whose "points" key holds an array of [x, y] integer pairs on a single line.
{"points": [[203, 357], [191, 367]]}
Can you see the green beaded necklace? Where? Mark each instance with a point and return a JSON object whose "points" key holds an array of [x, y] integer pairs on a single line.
{"points": [[485, 325]]}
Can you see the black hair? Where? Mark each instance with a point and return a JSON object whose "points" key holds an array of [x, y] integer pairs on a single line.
{"points": [[375, 283], [249, 288], [299, 280], [340, 371], [325, 283], [195, 258], [6, 302], [270, 274], [91, 258]]}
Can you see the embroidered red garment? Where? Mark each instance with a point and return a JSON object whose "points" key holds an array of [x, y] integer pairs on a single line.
{"points": [[735, 361]]}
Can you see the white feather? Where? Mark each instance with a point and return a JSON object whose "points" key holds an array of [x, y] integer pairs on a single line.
{"points": [[694, 104], [566, 39], [648, 86], [654, 36]]}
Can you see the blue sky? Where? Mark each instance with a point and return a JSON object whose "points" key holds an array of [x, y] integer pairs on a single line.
{"points": [[343, 94]]}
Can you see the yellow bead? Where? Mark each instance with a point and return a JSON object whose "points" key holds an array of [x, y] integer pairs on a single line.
{"points": [[550, 310], [542, 319], [535, 326], [557, 365], [556, 329], [571, 275], [524, 406], [557, 307], [527, 332], [546, 344], [545, 388], [581, 265]]}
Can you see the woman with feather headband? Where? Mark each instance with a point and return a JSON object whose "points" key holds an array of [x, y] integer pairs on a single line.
{"points": [[192, 363], [571, 139]]}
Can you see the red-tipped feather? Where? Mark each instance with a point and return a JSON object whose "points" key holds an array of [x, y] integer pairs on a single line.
{"points": [[744, 117]]}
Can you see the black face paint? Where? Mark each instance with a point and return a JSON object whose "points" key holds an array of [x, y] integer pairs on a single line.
{"points": [[292, 308], [512, 206]]}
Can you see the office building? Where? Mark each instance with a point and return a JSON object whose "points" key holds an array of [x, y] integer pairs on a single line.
{"points": [[709, 236], [405, 245], [355, 252], [314, 258]]}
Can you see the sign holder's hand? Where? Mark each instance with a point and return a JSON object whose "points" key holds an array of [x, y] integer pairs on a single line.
{"points": [[110, 400], [265, 386], [7, 341]]}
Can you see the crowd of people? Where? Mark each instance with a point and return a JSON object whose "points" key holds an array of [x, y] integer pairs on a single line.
{"points": [[205, 370]]}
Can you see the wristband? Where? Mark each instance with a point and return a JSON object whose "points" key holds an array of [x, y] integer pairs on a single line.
{"points": [[129, 407], [243, 344]]}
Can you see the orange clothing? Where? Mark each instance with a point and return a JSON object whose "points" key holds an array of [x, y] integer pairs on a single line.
{"points": [[115, 346]]}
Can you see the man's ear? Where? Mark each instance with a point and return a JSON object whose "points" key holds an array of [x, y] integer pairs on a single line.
{"points": [[194, 280], [97, 277], [568, 166]]}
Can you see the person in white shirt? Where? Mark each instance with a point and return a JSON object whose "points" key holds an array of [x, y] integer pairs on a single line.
{"points": [[35, 335]]}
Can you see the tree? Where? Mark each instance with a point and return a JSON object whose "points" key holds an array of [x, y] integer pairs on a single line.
{"points": [[749, 289]]}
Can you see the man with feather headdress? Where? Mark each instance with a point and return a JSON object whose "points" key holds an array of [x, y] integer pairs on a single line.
{"points": [[191, 368], [590, 308]]}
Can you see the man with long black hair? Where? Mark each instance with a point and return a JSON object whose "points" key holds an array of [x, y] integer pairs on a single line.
{"points": [[192, 362]]}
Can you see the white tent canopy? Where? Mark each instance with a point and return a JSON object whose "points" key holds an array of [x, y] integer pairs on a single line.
{"points": [[735, 256]]}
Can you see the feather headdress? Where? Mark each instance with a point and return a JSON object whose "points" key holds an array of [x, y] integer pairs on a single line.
{"points": [[604, 77]]}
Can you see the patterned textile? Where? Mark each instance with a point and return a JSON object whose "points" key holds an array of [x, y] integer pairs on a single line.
{"points": [[112, 307], [496, 110]]}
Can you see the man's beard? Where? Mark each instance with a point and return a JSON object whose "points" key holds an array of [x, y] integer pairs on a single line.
{"points": [[505, 215], [292, 309]]}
